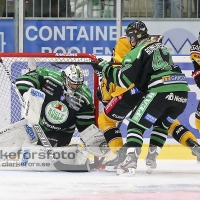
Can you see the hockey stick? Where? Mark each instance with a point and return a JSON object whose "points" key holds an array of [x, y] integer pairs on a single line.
{"points": [[97, 69], [59, 165], [55, 64], [44, 140]]}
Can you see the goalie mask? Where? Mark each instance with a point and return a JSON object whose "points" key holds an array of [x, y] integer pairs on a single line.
{"points": [[73, 78], [135, 32]]}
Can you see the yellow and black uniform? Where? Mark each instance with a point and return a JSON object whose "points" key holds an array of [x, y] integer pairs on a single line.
{"points": [[195, 57], [120, 101]]}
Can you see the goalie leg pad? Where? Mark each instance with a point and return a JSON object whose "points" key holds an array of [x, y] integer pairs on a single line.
{"points": [[12, 138], [35, 157], [94, 141]]}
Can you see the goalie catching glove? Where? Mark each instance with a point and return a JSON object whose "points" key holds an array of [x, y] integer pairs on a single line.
{"points": [[196, 77], [94, 141]]}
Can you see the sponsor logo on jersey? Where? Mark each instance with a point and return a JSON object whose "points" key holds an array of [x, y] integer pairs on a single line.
{"points": [[150, 118], [49, 125], [117, 116], [179, 130], [112, 103], [169, 119], [37, 93], [134, 90], [56, 112], [172, 97], [142, 107], [51, 83], [174, 78], [30, 132]]}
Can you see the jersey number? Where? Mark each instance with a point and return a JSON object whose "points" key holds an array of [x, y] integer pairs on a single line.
{"points": [[159, 62]]}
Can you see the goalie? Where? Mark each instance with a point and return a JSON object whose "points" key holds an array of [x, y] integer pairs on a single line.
{"points": [[68, 104]]}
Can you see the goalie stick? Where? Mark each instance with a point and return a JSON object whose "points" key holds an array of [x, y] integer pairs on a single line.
{"points": [[77, 62], [59, 165], [45, 142]]}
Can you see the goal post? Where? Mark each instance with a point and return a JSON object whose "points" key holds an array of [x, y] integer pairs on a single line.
{"points": [[20, 63]]}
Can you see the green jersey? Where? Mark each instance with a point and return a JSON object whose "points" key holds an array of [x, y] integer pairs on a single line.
{"points": [[58, 113], [150, 67]]}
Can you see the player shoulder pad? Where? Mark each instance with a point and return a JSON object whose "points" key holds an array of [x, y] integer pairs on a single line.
{"points": [[130, 57], [52, 74], [86, 94]]}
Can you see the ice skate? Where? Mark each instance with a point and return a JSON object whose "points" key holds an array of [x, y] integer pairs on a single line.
{"points": [[111, 165], [195, 147], [129, 165], [151, 158]]}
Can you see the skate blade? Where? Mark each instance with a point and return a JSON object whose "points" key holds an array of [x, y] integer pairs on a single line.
{"points": [[130, 172], [110, 168], [149, 170]]}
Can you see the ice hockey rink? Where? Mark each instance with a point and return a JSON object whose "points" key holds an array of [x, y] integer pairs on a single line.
{"points": [[173, 179]]}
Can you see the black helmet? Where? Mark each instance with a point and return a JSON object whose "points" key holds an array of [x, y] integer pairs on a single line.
{"points": [[136, 31]]}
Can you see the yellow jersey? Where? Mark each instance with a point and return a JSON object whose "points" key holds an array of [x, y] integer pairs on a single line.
{"points": [[110, 90]]}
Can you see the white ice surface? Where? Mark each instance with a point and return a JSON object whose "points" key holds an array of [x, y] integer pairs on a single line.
{"points": [[182, 177]]}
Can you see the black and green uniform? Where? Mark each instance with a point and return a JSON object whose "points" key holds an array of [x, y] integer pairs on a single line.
{"points": [[150, 67], [58, 117]]}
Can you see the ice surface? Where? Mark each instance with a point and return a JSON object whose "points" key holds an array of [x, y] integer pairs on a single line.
{"points": [[173, 180]]}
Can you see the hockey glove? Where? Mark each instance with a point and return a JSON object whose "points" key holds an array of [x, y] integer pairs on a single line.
{"points": [[74, 102], [105, 68], [97, 68], [196, 77]]}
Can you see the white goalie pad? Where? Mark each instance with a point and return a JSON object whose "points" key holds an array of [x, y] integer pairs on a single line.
{"points": [[94, 141], [35, 158], [33, 104], [16, 134], [12, 138]]}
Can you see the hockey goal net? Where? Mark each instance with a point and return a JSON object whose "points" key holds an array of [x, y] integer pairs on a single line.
{"points": [[20, 63]]}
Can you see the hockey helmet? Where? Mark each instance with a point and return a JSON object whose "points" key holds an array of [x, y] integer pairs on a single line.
{"points": [[136, 31], [73, 78]]}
